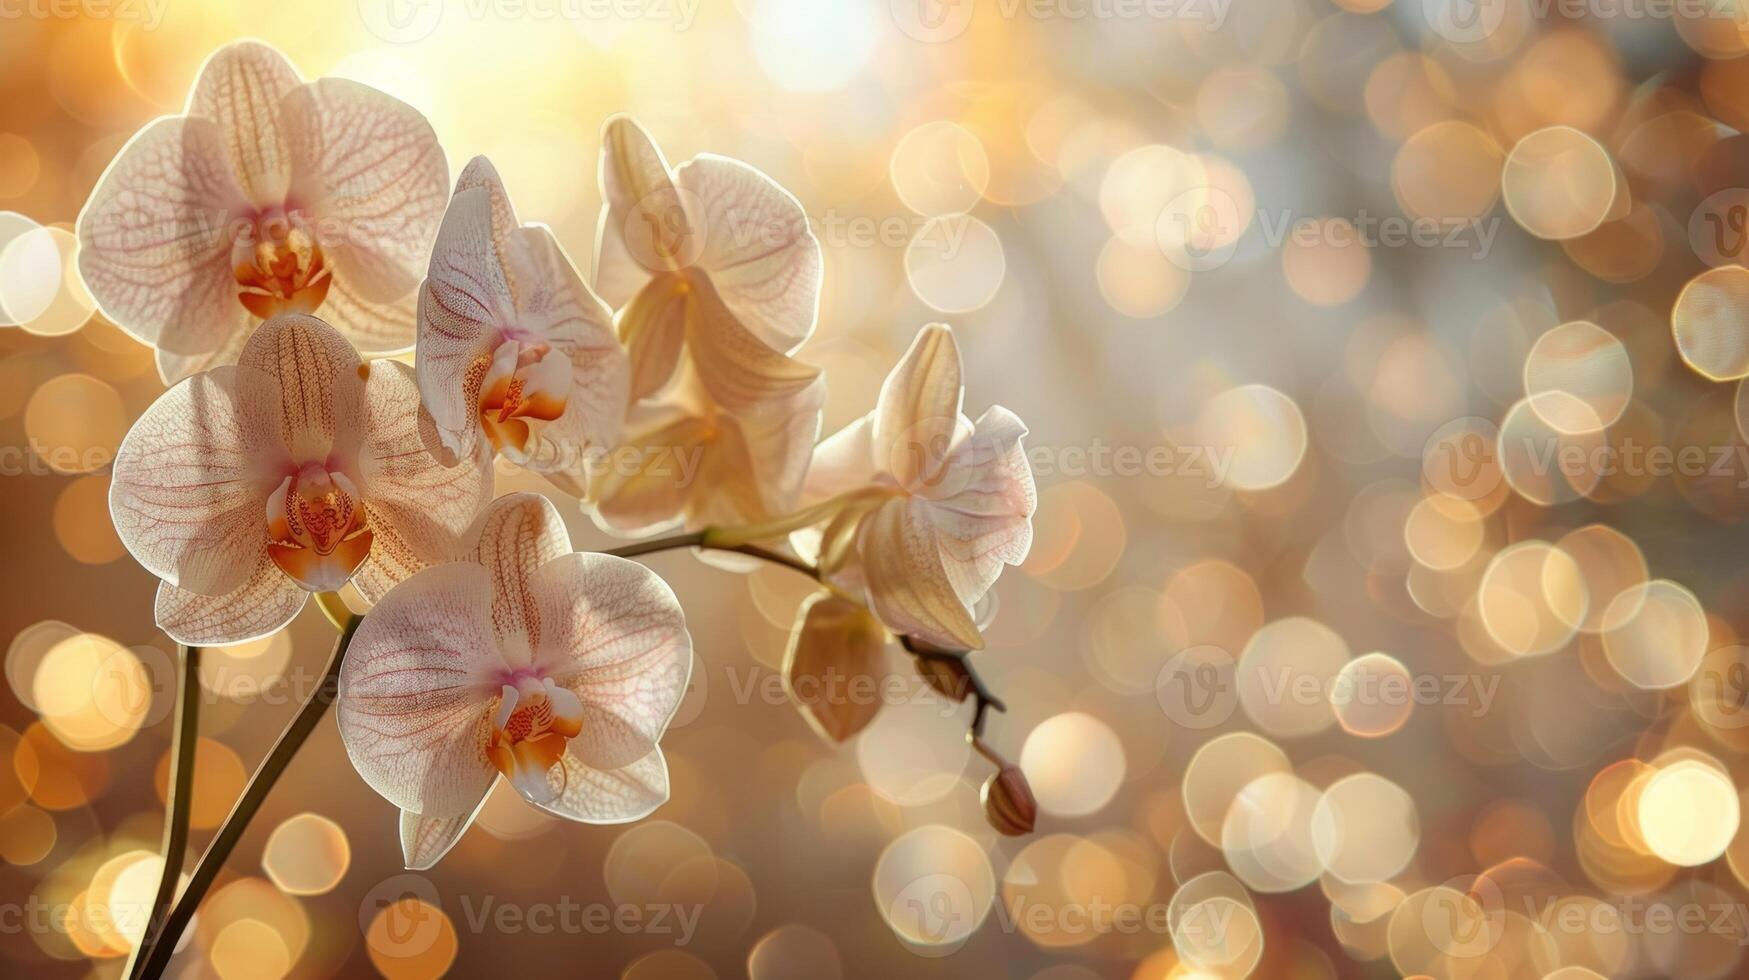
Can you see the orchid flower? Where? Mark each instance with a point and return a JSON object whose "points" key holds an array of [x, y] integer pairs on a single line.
{"points": [[268, 195], [300, 467], [513, 348], [555, 670], [932, 504], [716, 278]]}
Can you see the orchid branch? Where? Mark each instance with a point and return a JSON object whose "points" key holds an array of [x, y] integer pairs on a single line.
{"points": [[179, 799], [962, 676], [157, 949]]}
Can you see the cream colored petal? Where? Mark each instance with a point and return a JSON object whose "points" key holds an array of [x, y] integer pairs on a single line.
{"points": [[835, 665], [376, 328], [919, 408], [608, 796], [155, 239], [368, 169], [308, 384], [644, 484], [229, 335], [501, 222], [740, 371], [779, 441], [241, 88], [420, 509], [644, 226], [983, 510], [417, 691], [653, 329], [842, 462], [463, 308], [188, 492], [560, 309], [516, 535], [613, 634], [908, 583], [259, 606], [425, 840], [756, 247]]}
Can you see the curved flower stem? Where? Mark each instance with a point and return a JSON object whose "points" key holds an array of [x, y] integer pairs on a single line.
{"points": [[732, 538], [161, 947], [737, 540], [178, 799]]}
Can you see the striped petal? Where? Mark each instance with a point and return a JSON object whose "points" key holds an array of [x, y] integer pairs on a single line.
{"points": [[558, 308], [518, 533], [188, 492], [425, 840], [738, 369], [589, 794], [644, 225], [305, 377], [155, 242], [369, 169], [909, 586], [417, 691], [756, 248], [613, 634], [464, 306], [986, 520], [420, 509], [262, 604], [241, 87], [918, 411]]}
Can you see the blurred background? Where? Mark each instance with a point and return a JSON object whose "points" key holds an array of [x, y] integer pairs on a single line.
{"points": [[1381, 362]]}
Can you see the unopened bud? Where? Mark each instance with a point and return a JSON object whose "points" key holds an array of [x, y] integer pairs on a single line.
{"points": [[947, 675], [1008, 802]]}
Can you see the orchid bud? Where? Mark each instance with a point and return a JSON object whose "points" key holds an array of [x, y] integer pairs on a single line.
{"points": [[1008, 802], [946, 675]]}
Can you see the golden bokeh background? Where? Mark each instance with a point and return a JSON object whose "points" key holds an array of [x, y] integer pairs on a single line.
{"points": [[1382, 360]]}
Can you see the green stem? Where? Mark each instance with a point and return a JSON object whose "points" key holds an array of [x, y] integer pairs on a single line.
{"points": [[162, 946], [178, 800]]}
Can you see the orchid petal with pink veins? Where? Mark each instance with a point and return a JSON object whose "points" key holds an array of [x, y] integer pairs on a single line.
{"points": [[188, 485], [262, 604], [613, 635], [557, 670], [419, 508], [740, 371], [240, 88], [418, 689], [155, 239], [756, 249], [513, 346], [368, 169], [268, 195], [425, 840], [609, 796], [288, 463]]}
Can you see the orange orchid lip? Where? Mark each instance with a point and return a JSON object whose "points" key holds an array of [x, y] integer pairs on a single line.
{"points": [[526, 383], [534, 720], [318, 532], [280, 268]]}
